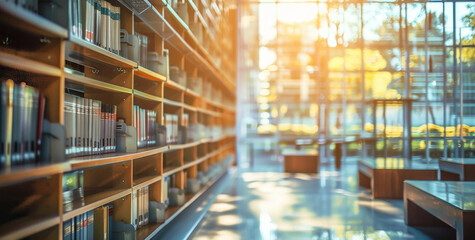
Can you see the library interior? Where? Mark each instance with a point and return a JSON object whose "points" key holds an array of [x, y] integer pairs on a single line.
{"points": [[237, 119]]}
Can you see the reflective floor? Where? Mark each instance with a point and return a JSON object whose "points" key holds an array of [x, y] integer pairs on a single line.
{"points": [[274, 205]]}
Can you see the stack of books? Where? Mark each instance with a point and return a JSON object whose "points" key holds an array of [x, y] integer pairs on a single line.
{"points": [[145, 121], [140, 215], [96, 21], [21, 119], [80, 227], [90, 126], [171, 124]]}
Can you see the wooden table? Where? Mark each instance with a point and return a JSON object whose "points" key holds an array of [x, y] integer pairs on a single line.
{"points": [[441, 203], [385, 176], [457, 169], [301, 161]]}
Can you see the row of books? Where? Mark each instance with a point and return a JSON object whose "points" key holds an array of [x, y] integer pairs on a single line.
{"points": [[21, 119], [80, 227], [148, 130], [96, 21], [171, 123], [140, 213], [90, 126]]}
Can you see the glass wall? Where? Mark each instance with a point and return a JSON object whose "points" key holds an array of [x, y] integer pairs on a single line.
{"points": [[388, 78]]}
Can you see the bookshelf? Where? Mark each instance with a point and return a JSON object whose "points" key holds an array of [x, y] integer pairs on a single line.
{"points": [[199, 46]]}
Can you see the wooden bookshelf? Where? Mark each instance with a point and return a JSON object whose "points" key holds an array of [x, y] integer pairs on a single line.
{"points": [[113, 177]]}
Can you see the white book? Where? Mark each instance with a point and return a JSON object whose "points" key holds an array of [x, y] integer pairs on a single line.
{"points": [[103, 38], [68, 112], [139, 208], [98, 127], [108, 26], [78, 125], [86, 126], [134, 209], [97, 21], [91, 127], [117, 30], [83, 126]]}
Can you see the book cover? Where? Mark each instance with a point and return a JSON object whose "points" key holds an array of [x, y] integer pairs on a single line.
{"points": [[39, 128], [114, 124], [74, 22], [103, 126], [68, 122], [73, 228], [90, 129], [3, 123], [79, 17], [97, 21], [67, 230], [86, 126], [90, 224], [108, 26], [78, 225], [139, 208], [134, 209], [34, 125], [103, 38], [78, 124], [109, 220], [17, 125], [84, 226]]}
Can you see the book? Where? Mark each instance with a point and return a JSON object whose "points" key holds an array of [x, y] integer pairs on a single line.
{"points": [[113, 127], [21, 108], [84, 226], [139, 208], [90, 225], [78, 226], [110, 214], [67, 230], [134, 221], [97, 22], [74, 18], [79, 16]]}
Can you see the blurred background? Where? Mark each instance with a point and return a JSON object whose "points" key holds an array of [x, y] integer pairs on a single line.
{"points": [[381, 78]]}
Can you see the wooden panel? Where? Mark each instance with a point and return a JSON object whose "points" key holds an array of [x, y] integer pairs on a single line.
{"points": [[423, 209], [389, 183], [301, 163]]}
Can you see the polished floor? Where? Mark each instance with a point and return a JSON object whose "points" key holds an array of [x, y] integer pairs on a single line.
{"points": [[258, 204]]}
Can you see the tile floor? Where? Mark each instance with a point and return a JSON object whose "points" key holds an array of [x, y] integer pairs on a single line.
{"points": [[274, 205]]}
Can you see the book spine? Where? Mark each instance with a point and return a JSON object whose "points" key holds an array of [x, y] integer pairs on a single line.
{"points": [[134, 209], [78, 125], [139, 208], [74, 23], [83, 127], [78, 224], [114, 125], [90, 224], [84, 226], [91, 127], [34, 125], [103, 133], [86, 126], [109, 221], [79, 17], [67, 230]]}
